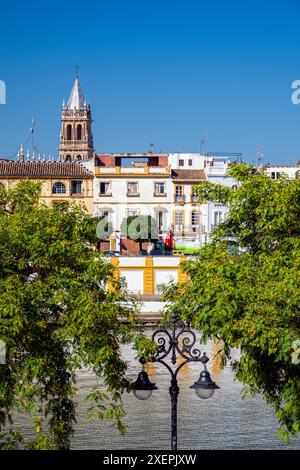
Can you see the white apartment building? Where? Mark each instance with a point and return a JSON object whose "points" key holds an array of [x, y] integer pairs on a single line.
{"points": [[275, 171], [160, 185]]}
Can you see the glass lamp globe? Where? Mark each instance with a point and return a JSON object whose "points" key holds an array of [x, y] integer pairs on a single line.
{"points": [[143, 387], [205, 387], [204, 393], [143, 394]]}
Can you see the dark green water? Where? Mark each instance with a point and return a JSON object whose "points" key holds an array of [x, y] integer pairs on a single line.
{"points": [[225, 421]]}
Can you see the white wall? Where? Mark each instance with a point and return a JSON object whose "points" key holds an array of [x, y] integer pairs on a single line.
{"points": [[162, 276], [134, 279]]}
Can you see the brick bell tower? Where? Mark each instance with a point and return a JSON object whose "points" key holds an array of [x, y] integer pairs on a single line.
{"points": [[76, 138]]}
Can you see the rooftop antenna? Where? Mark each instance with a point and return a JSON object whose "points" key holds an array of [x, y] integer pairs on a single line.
{"points": [[259, 155], [203, 143], [151, 147], [32, 135]]}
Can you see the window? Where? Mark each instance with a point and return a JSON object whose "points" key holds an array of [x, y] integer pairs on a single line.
{"points": [[69, 132], [159, 189], [68, 158], [217, 217], [194, 197], [195, 218], [178, 221], [59, 188], [190, 162], [132, 189], [179, 194], [181, 162], [275, 175], [178, 191], [79, 158], [79, 132], [76, 187], [105, 188]]}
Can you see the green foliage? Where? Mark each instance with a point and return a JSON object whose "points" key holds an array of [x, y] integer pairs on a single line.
{"points": [[140, 228], [57, 315], [249, 297]]}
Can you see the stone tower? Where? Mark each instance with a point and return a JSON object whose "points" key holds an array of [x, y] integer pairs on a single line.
{"points": [[76, 138]]}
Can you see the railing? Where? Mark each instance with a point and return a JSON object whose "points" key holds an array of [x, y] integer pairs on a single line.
{"points": [[132, 170], [189, 229], [73, 141], [180, 199]]}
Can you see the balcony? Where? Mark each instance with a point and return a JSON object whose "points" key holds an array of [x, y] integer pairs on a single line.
{"points": [[188, 230], [179, 199], [132, 171]]}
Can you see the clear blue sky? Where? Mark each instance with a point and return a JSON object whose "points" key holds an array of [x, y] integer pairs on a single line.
{"points": [[161, 71]]}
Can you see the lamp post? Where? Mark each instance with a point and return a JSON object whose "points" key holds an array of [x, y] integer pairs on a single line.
{"points": [[167, 338]]}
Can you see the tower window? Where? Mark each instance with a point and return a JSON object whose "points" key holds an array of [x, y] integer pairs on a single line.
{"points": [[59, 188], [79, 158], [69, 132], [79, 132]]}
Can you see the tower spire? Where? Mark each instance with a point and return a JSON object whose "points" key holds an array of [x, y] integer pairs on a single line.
{"points": [[76, 139]]}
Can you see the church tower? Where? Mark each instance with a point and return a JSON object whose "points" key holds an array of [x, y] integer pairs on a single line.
{"points": [[76, 138]]}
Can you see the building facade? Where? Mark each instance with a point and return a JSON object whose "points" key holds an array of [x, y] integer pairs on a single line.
{"points": [[60, 182]]}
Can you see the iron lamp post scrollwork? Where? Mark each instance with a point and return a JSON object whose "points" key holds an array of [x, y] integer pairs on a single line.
{"points": [[175, 339]]}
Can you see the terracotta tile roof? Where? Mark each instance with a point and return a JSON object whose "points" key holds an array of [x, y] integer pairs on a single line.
{"points": [[38, 170], [188, 175]]}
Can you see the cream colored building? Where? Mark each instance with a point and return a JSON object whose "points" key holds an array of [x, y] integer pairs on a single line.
{"points": [[60, 181]]}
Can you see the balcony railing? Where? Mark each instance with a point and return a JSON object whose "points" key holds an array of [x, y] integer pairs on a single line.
{"points": [[124, 170], [179, 199], [105, 194], [189, 229]]}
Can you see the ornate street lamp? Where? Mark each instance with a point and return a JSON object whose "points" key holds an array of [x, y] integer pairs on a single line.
{"points": [[167, 338]]}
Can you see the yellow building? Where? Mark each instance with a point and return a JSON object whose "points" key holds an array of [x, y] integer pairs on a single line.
{"points": [[60, 181]]}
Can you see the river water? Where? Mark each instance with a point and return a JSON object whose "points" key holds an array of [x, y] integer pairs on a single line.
{"points": [[225, 421]]}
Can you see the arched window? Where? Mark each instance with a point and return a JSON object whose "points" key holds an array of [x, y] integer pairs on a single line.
{"points": [[79, 132], [59, 188], [79, 158], [69, 132], [68, 158]]}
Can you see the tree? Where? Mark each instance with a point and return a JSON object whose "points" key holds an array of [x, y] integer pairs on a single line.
{"points": [[104, 229], [248, 297], [140, 228], [60, 309]]}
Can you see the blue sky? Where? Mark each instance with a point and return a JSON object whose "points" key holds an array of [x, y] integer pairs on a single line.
{"points": [[161, 71]]}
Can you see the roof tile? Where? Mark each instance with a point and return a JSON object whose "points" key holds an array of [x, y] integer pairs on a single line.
{"points": [[18, 169], [188, 175]]}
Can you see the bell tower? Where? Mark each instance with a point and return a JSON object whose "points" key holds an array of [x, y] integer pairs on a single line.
{"points": [[76, 138]]}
